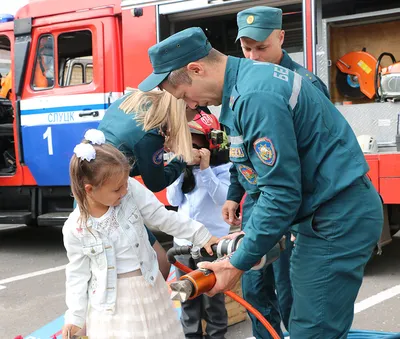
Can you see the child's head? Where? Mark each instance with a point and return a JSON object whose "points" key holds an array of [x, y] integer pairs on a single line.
{"points": [[98, 172], [206, 133], [201, 127]]}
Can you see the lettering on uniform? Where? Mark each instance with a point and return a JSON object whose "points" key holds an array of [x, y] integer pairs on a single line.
{"points": [[281, 73], [61, 117], [249, 174], [158, 156], [265, 151], [236, 151]]}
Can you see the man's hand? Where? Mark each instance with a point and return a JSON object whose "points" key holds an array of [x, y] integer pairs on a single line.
{"points": [[205, 156], [69, 330], [229, 213], [231, 236], [196, 157], [212, 241], [226, 274]]}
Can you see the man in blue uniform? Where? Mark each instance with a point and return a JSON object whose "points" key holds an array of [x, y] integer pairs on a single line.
{"points": [[261, 38], [292, 143]]}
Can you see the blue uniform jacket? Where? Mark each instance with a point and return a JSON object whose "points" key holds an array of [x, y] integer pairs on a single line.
{"points": [[238, 185], [144, 149], [291, 143]]}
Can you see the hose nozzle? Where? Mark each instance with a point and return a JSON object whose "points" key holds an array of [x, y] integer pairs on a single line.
{"points": [[181, 290]]}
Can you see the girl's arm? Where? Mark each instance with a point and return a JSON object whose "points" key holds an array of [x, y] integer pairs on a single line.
{"points": [[174, 192], [77, 278], [217, 185], [155, 214]]}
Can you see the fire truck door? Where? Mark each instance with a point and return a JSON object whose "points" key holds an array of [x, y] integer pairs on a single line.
{"points": [[63, 96]]}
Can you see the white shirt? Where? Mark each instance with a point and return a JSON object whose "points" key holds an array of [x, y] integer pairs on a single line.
{"points": [[204, 203], [125, 256]]}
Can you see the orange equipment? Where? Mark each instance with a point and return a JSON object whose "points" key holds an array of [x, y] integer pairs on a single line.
{"points": [[360, 74], [6, 86]]}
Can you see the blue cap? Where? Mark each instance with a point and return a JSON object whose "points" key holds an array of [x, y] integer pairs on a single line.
{"points": [[173, 53], [259, 22]]}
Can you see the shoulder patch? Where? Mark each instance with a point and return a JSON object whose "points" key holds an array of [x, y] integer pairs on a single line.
{"points": [[234, 96], [249, 174], [158, 156], [305, 73], [265, 151]]}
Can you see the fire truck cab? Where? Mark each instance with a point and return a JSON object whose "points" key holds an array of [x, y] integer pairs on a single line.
{"points": [[70, 60]]}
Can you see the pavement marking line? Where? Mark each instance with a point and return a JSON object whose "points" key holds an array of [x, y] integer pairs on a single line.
{"points": [[31, 275], [375, 299], [2, 287]]}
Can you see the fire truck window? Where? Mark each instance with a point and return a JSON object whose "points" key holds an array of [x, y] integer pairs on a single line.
{"points": [[75, 58], [5, 66], [77, 72], [43, 75]]}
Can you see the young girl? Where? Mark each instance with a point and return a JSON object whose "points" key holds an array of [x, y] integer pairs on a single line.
{"points": [[112, 280], [200, 193]]}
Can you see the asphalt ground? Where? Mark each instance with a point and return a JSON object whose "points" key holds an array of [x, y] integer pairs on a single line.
{"points": [[32, 286]]}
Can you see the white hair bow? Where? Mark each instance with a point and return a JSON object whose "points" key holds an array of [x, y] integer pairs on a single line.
{"points": [[86, 151], [95, 137]]}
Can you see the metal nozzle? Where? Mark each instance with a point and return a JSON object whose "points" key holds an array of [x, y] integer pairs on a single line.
{"points": [[181, 290]]}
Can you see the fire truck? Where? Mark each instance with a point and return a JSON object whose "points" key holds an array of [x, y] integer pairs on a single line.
{"points": [[69, 60]]}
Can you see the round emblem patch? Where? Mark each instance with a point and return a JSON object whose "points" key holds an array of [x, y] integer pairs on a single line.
{"points": [[158, 156], [250, 19], [265, 151], [249, 174]]}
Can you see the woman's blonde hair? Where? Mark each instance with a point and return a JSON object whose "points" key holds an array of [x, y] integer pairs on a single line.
{"points": [[109, 162], [160, 109]]}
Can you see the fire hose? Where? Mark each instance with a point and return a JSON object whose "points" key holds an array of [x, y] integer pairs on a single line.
{"points": [[197, 282]]}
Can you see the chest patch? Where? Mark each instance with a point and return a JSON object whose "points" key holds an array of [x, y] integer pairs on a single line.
{"points": [[158, 156], [249, 174], [236, 151], [265, 151]]}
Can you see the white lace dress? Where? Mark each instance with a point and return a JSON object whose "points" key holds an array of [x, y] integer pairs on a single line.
{"points": [[142, 311]]}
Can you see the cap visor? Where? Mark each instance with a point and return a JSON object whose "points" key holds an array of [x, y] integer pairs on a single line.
{"points": [[152, 81], [257, 34]]}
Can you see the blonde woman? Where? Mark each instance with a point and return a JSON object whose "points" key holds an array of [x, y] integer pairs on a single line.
{"points": [[141, 125]]}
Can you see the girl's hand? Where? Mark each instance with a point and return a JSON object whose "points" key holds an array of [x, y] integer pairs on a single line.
{"points": [[207, 246], [69, 330], [205, 156]]}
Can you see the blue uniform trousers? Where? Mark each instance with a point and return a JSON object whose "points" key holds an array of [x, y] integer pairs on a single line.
{"points": [[327, 265]]}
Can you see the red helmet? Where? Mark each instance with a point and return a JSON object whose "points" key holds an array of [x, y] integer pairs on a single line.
{"points": [[204, 124]]}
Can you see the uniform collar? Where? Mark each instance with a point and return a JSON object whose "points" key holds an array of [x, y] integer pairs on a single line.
{"points": [[286, 60], [231, 73]]}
